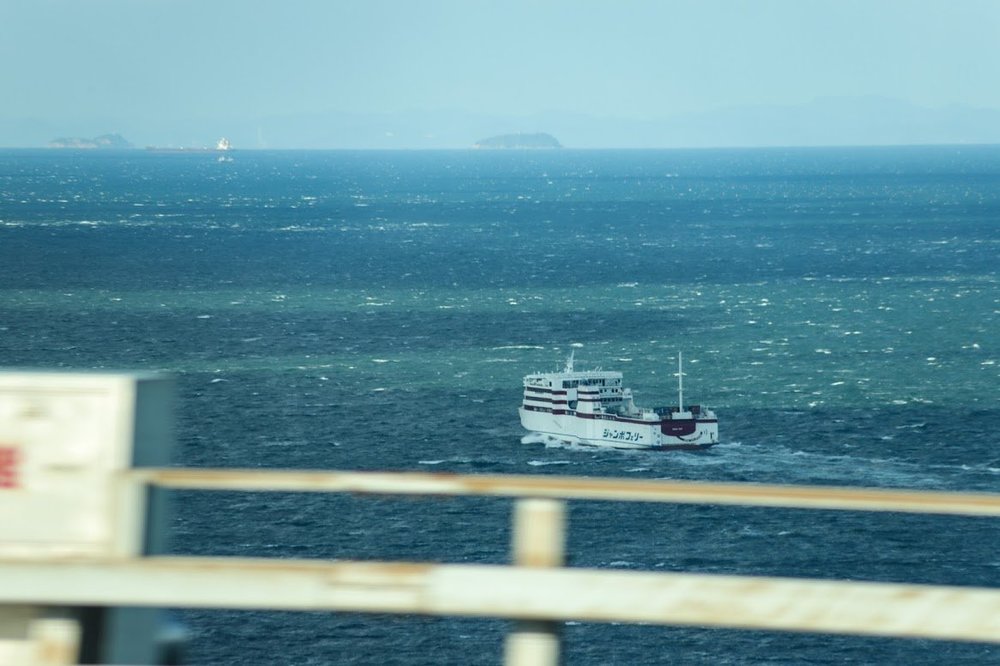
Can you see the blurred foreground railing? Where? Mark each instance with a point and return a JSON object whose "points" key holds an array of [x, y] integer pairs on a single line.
{"points": [[82, 536], [536, 590]]}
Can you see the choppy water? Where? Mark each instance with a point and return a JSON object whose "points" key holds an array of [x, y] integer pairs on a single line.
{"points": [[838, 308]]}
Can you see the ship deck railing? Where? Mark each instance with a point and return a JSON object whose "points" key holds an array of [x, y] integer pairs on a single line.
{"points": [[536, 590]]}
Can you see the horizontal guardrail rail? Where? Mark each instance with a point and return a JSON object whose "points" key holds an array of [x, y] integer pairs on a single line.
{"points": [[579, 488], [536, 591], [519, 592]]}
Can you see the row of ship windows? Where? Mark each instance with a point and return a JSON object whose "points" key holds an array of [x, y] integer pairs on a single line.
{"points": [[573, 383]]}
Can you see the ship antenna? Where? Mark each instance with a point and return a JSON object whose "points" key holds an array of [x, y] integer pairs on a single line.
{"points": [[680, 383], [569, 362]]}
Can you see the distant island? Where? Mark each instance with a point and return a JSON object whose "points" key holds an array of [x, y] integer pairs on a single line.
{"points": [[113, 141], [538, 140]]}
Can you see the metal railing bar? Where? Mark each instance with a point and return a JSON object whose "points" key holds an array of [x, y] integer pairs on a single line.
{"points": [[579, 488], [555, 594]]}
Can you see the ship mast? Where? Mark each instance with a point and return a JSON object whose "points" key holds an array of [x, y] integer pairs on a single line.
{"points": [[680, 383]]}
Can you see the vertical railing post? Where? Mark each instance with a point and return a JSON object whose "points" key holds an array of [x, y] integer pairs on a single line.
{"points": [[55, 641], [539, 541]]}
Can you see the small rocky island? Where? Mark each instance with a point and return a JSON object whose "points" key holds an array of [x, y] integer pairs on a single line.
{"points": [[519, 141], [112, 141]]}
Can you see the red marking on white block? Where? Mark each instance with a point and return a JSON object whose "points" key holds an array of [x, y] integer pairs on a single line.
{"points": [[9, 471]]}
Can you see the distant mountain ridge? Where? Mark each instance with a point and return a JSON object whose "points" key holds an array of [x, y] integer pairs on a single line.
{"points": [[832, 121], [114, 141], [840, 121], [519, 140]]}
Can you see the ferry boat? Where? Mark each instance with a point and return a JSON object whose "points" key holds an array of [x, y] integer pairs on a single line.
{"points": [[592, 407]]}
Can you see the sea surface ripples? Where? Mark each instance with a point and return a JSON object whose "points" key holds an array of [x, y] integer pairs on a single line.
{"points": [[377, 311]]}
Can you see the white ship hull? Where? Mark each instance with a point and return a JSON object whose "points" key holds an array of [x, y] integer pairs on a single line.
{"points": [[593, 407], [622, 434]]}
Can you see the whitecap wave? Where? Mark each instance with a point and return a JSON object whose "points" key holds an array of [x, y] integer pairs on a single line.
{"points": [[518, 347], [551, 441], [777, 463]]}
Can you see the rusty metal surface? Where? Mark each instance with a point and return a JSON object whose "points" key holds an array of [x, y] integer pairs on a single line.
{"points": [[940, 612], [566, 487]]}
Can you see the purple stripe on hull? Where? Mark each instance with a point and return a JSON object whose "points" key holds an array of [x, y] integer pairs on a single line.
{"points": [[534, 389], [548, 401], [546, 410]]}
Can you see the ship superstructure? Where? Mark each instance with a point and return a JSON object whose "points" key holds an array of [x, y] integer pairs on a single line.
{"points": [[593, 407]]}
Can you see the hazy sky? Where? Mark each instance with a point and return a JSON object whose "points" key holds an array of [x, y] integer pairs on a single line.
{"points": [[163, 59]]}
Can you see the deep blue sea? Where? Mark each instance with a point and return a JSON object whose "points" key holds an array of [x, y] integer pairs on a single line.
{"points": [[838, 308]]}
